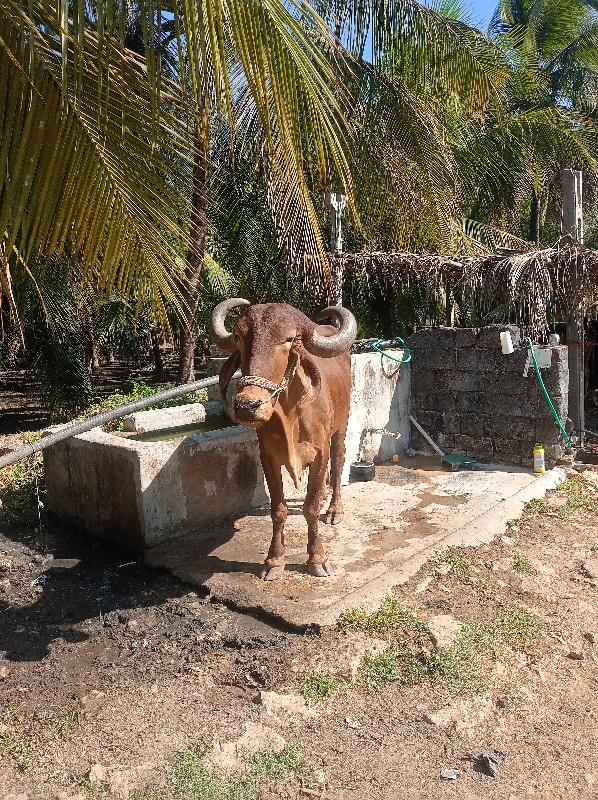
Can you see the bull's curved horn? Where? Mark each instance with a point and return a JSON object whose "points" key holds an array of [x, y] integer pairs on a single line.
{"points": [[327, 346], [218, 333]]}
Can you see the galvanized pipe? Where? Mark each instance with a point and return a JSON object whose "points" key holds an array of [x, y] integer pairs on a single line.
{"points": [[74, 428]]}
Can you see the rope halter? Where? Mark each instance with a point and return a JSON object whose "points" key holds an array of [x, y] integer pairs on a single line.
{"points": [[274, 388]]}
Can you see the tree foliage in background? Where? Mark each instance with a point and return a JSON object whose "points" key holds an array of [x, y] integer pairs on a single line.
{"points": [[156, 157]]}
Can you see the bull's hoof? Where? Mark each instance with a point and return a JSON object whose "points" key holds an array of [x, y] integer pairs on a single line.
{"points": [[320, 570], [272, 573], [333, 517]]}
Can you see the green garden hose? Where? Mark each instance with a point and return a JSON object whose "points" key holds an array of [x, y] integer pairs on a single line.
{"points": [[392, 358], [547, 396]]}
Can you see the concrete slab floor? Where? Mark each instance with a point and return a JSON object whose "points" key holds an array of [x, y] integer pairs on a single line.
{"points": [[391, 527]]}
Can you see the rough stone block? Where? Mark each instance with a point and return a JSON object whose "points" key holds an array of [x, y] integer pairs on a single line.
{"points": [[473, 444], [509, 458], [431, 421], [432, 338], [446, 441], [489, 336], [424, 381], [466, 337], [475, 359], [434, 358], [465, 381], [511, 446], [474, 425], [472, 403], [547, 431], [450, 422]]}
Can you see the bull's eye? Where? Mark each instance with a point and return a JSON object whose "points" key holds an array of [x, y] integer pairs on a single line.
{"points": [[288, 341], [237, 337]]}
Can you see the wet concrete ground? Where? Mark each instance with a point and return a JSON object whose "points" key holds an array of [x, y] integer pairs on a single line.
{"points": [[391, 527]]}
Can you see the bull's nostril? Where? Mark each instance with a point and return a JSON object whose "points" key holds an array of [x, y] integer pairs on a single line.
{"points": [[247, 405]]}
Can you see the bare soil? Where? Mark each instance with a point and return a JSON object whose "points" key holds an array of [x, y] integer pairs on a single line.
{"points": [[109, 671]]}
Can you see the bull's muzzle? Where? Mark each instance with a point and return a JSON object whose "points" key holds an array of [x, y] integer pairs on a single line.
{"points": [[251, 411]]}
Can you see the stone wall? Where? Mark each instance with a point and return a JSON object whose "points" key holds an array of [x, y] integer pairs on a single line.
{"points": [[473, 400]]}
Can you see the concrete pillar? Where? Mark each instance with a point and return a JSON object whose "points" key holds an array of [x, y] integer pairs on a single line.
{"points": [[572, 224]]}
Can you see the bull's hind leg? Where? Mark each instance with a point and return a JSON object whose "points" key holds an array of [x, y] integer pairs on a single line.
{"points": [[275, 562], [316, 487], [337, 459]]}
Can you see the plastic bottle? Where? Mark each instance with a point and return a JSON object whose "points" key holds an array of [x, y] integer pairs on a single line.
{"points": [[539, 458]]}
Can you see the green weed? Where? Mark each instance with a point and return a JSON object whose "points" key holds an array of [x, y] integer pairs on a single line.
{"points": [[517, 627], [320, 686], [521, 564], [459, 564], [93, 791], [14, 746], [382, 668], [139, 392], [278, 765], [460, 665], [18, 490], [193, 781], [390, 615], [72, 718], [482, 586], [535, 507]]}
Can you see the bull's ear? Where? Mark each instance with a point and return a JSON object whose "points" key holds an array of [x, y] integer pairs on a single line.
{"points": [[230, 366], [314, 379]]}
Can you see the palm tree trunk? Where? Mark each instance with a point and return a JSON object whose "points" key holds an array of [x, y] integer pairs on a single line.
{"points": [[157, 354], [534, 218], [195, 260]]}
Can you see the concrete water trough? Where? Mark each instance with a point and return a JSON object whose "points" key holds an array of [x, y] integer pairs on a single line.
{"points": [[174, 471]]}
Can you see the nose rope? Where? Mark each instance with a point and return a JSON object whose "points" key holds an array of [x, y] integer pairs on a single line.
{"points": [[270, 386]]}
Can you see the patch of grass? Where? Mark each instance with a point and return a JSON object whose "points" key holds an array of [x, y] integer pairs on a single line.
{"points": [[278, 765], [578, 496], [93, 791], [71, 718], [320, 686], [390, 615], [382, 668], [521, 564], [482, 586], [517, 627], [193, 781], [535, 507], [459, 666], [140, 391], [13, 746], [458, 563], [18, 490]]}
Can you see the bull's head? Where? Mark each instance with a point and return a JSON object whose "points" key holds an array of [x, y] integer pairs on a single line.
{"points": [[267, 343]]}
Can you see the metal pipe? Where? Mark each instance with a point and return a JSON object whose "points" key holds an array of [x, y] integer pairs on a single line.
{"points": [[74, 428]]}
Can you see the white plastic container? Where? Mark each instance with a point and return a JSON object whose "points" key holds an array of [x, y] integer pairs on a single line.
{"points": [[506, 342]]}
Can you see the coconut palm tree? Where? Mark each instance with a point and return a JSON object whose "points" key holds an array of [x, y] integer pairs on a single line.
{"points": [[552, 46], [106, 157]]}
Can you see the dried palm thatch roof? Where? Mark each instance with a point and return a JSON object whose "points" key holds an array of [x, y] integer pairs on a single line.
{"points": [[562, 276]]}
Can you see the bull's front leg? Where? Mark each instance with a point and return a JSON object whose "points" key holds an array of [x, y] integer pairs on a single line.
{"points": [[316, 488], [275, 562]]}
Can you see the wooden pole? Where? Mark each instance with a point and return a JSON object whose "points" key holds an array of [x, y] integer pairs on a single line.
{"points": [[572, 224]]}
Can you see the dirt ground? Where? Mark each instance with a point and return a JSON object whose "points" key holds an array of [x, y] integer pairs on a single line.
{"points": [[117, 681]]}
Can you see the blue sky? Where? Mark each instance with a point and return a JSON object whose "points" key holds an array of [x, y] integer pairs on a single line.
{"points": [[481, 11]]}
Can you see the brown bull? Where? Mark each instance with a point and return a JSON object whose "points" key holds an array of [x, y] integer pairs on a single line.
{"points": [[295, 390]]}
